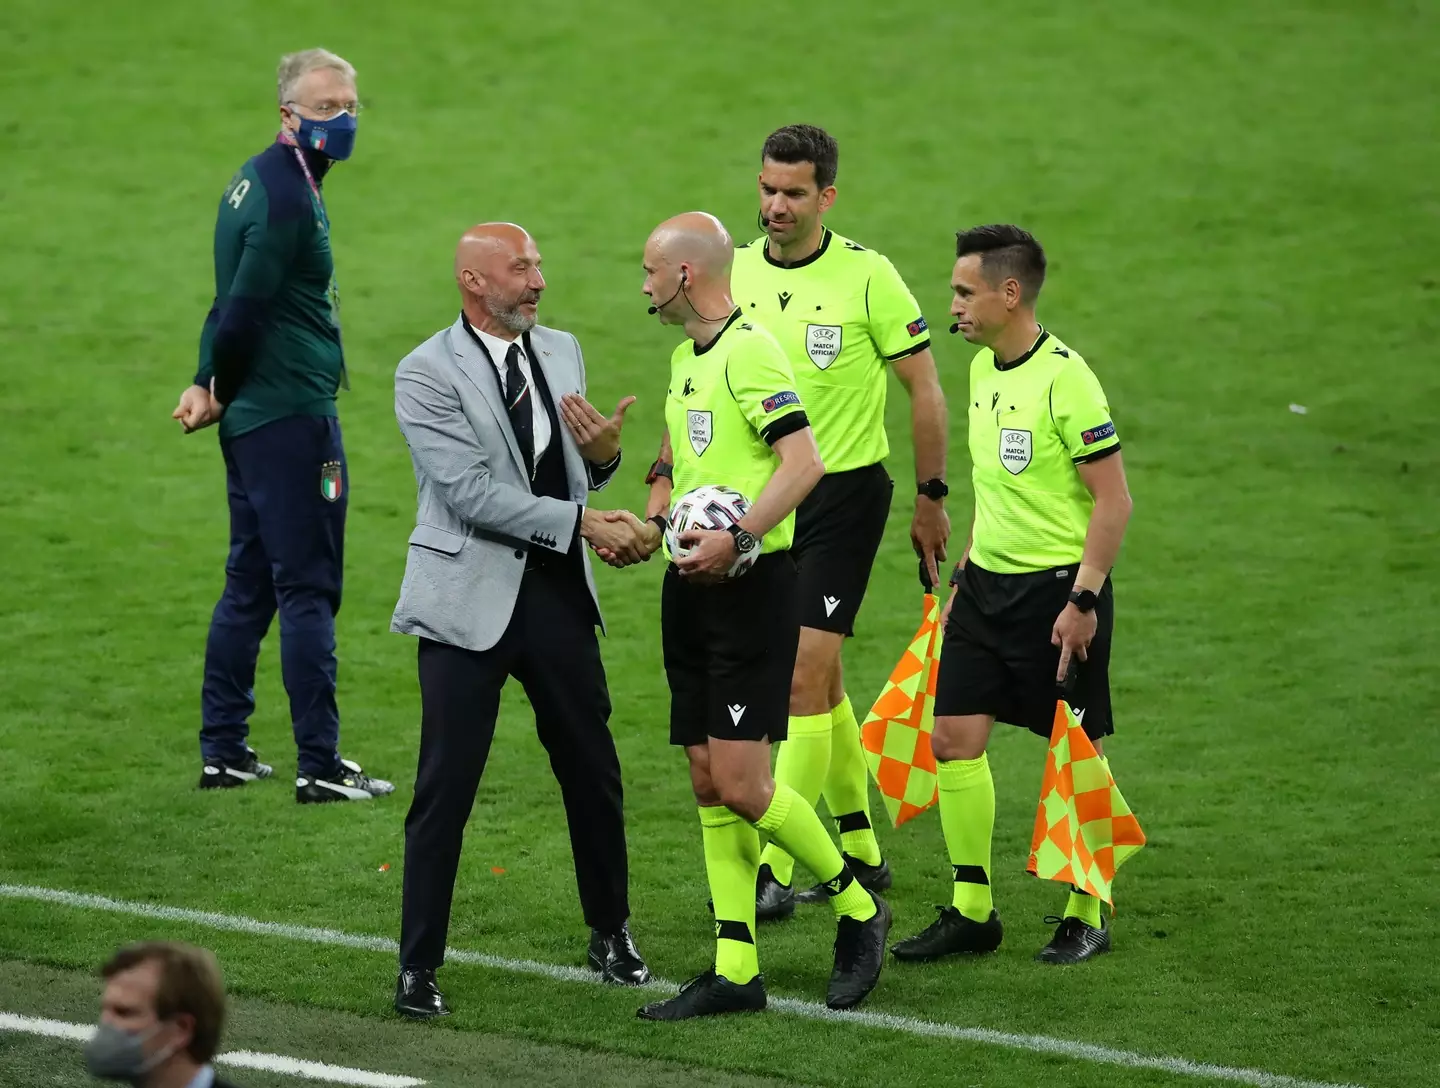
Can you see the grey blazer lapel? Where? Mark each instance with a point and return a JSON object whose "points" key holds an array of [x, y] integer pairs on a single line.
{"points": [[544, 353], [477, 367]]}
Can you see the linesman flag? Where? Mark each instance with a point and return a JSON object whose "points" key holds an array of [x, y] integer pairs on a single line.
{"points": [[1084, 830], [896, 733]]}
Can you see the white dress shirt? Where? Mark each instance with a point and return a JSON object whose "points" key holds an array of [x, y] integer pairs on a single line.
{"points": [[498, 349], [204, 1078]]}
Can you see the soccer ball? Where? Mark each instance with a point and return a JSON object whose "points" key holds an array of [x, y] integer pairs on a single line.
{"points": [[710, 507]]}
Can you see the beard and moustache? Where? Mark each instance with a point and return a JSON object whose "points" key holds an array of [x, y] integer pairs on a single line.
{"points": [[508, 312]]}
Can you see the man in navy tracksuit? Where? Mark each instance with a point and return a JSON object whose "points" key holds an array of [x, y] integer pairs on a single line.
{"points": [[270, 366]]}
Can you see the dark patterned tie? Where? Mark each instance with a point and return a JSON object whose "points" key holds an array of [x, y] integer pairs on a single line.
{"points": [[517, 402]]}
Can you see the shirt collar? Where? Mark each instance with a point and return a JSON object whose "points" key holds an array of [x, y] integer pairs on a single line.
{"points": [[495, 347], [1039, 340], [819, 252], [203, 1079], [734, 314]]}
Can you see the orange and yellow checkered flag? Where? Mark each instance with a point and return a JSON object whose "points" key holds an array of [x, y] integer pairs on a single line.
{"points": [[1084, 830], [896, 733]]}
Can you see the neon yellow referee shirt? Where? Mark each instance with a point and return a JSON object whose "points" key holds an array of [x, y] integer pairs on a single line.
{"points": [[840, 314], [1031, 422], [729, 401]]}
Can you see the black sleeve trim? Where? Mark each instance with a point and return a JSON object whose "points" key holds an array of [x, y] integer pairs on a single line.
{"points": [[913, 350], [795, 421], [1098, 455]]}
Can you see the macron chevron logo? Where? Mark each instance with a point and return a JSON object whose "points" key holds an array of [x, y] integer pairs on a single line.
{"points": [[831, 603], [736, 713]]}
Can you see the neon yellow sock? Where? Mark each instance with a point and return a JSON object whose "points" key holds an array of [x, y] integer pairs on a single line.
{"points": [[847, 786], [801, 763], [967, 816], [792, 823], [732, 856], [1082, 906]]}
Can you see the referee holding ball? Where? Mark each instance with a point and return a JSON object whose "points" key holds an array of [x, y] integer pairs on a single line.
{"points": [[1032, 597]]}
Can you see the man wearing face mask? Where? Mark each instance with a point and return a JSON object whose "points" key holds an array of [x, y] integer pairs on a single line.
{"points": [[270, 366], [498, 584], [160, 1018]]}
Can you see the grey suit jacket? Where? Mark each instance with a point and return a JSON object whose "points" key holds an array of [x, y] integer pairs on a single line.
{"points": [[477, 516]]}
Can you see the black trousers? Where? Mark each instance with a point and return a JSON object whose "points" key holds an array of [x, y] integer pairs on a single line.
{"points": [[551, 648]]}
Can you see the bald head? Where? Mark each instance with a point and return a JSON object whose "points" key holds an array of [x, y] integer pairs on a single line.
{"points": [[497, 266], [696, 239]]}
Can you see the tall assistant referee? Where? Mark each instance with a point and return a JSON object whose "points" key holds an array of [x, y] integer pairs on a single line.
{"points": [[1032, 594], [844, 317]]}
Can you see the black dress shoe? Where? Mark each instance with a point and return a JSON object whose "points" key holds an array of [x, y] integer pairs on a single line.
{"points": [[615, 956], [417, 996], [1074, 941], [951, 934], [708, 995], [859, 956], [873, 878], [774, 902]]}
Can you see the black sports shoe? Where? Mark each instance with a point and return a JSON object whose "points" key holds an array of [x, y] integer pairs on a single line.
{"points": [[774, 902], [952, 934], [859, 956], [873, 878], [219, 775], [708, 995], [617, 959], [1075, 940], [349, 783]]}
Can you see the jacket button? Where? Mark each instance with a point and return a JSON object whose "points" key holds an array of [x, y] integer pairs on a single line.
{"points": [[519, 554]]}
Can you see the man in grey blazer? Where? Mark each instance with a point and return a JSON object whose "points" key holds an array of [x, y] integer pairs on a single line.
{"points": [[498, 584]]}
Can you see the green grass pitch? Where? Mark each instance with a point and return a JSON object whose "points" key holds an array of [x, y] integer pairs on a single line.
{"points": [[1238, 201]]}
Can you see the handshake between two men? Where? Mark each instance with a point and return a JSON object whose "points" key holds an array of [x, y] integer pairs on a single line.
{"points": [[618, 537]]}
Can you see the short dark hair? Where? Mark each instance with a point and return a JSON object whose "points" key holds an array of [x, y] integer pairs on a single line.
{"points": [[1006, 251], [805, 143], [189, 982]]}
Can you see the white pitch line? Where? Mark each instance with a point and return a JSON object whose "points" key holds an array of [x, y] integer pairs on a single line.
{"points": [[240, 1059], [810, 1010]]}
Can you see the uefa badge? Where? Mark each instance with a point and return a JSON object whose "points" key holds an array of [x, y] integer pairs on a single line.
{"points": [[331, 481]]}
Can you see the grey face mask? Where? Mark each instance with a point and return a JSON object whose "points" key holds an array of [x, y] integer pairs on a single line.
{"points": [[113, 1054]]}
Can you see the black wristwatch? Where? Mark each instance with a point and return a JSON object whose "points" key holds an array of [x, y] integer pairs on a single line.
{"points": [[957, 574], [658, 469], [1084, 599], [935, 489], [744, 539]]}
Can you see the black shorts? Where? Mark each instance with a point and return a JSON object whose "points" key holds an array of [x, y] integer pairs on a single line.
{"points": [[729, 652], [838, 529], [997, 658]]}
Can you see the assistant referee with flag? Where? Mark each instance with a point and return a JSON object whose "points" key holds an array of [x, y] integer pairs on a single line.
{"points": [[1032, 596]]}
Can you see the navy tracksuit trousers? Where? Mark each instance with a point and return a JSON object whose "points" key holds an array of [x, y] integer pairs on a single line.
{"points": [[287, 544]]}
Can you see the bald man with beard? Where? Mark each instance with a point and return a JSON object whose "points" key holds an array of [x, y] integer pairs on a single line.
{"points": [[498, 584], [730, 642]]}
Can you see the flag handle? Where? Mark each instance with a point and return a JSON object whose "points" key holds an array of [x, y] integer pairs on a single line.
{"points": [[925, 577]]}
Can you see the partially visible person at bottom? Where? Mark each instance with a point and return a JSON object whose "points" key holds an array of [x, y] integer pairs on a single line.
{"points": [[160, 1017], [730, 643]]}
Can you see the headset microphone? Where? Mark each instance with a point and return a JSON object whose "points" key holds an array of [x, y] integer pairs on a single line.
{"points": [[684, 277], [955, 327]]}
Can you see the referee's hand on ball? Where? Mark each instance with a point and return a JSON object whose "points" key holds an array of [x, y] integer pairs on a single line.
{"points": [[713, 554], [1072, 632]]}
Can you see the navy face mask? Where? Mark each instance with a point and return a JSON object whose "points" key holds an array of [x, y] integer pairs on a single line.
{"points": [[334, 137]]}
